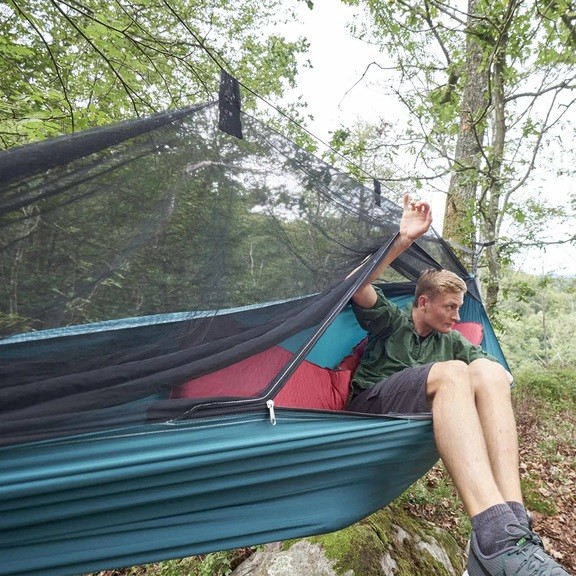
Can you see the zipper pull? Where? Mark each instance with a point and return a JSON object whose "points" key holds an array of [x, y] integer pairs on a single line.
{"points": [[270, 405]]}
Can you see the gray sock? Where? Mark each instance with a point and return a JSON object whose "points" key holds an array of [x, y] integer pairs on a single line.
{"points": [[520, 513], [490, 528]]}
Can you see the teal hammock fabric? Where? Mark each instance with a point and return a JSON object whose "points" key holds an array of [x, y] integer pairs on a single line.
{"points": [[159, 253], [74, 506], [145, 492]]}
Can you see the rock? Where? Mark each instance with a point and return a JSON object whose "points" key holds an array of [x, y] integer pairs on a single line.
{"points": [[303, 558], [387, 543]]}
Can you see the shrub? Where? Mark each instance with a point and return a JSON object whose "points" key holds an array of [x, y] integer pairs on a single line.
{"points": [[555, 388]]}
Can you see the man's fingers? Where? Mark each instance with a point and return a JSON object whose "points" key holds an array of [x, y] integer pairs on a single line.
{"points": [[420, 206], [406, 202]]}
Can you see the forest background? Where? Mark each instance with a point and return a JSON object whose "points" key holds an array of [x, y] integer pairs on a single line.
{"points": [[486, 92]]}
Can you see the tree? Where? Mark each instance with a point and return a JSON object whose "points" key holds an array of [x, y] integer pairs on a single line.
{"points": [[537, 319], [66, 65], [488, 90]]}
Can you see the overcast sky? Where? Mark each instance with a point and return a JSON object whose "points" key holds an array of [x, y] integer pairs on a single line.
{"points": [[340, 91]]}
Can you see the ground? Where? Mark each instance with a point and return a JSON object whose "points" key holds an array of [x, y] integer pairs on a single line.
{"points": [[548, 462]]}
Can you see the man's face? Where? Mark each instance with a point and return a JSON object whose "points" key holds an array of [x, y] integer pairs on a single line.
{"points": [[441, 312]]}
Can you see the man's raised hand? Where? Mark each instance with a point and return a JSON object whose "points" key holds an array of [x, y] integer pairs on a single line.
{"points": [[416, 218]]}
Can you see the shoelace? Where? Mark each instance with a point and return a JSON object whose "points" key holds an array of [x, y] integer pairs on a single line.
{"points": [[525, 534], [521, 534], [537, 540], [533, 562]]}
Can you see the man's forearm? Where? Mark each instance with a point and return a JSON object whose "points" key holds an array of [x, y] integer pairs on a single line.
{"points": [[416, 221], [365, 296]]}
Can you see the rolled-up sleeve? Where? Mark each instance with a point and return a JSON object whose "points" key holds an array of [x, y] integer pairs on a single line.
{"points": [[381, 319]]}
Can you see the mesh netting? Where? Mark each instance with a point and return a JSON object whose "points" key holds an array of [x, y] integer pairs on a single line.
{"points": [[179, 217], [138, 256]]}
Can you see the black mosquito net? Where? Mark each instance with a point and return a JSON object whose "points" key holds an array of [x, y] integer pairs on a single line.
{"points": [[121, 247]]}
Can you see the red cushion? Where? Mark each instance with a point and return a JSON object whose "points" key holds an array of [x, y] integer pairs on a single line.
{"points": [[472, 331], [310, 386], [351, 361], [243, 379]]}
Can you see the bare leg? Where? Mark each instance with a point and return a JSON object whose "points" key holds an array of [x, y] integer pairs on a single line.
{"points": [[460, 437], [492, 392]]}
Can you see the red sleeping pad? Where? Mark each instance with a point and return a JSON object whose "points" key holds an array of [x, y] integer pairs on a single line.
{"points": [[311, 386]]}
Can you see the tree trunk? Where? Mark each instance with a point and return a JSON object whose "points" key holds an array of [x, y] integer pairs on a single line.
{"points": [[460, 202], [493, 201]]}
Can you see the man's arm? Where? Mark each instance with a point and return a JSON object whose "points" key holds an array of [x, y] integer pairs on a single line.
{"points": [[415, 222]]}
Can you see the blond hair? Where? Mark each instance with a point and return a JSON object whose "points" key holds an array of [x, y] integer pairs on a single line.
{"points": [[433, 282]]}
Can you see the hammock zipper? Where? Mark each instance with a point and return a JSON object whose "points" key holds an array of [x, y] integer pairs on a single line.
{"points": [[270, 405]]}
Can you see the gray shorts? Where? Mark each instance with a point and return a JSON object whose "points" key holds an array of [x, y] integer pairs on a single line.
{"points": [[401, 393]]}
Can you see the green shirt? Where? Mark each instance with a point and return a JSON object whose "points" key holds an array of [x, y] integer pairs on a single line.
{"points": [[393, 343]]}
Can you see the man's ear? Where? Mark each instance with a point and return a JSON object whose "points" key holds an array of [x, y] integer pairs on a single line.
{"points": [[422, 301]]}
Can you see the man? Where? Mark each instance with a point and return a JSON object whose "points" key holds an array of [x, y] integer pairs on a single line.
{"points": [[413, 363]]}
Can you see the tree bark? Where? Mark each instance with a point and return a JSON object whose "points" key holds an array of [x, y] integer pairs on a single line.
{"points": [[460, 201], [492, 200]]}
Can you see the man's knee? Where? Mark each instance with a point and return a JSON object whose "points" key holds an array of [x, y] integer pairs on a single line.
{"points": [[446, 374], [486, 373], [449, 369], [483, 369], [478, 377]]}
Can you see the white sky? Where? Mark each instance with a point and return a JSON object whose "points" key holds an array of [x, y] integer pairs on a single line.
{"points": [[333, 87], [340, 92]]}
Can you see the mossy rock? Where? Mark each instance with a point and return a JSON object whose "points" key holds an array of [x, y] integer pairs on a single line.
{"points": [[387, 543]]}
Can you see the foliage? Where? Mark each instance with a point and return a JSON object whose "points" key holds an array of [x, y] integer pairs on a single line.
{"points": [[66, 66], [362, 151], [213, 564], [536, 321], [487, 89], [554, 389]]}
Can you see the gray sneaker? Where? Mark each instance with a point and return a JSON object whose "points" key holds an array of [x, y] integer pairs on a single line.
{"points": [[524, 558]]}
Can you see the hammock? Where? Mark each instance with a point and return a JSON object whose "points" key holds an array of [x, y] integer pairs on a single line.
{"points": [[176, 344]]}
